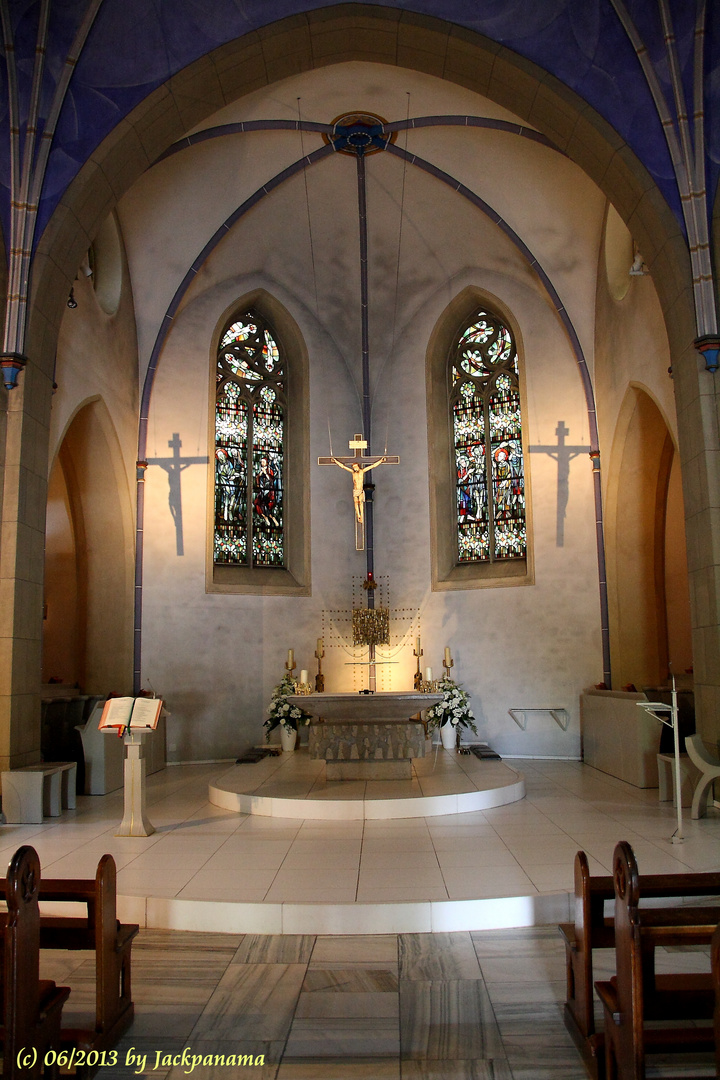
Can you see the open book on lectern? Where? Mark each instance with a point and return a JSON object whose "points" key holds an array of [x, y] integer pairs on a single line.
{"points": [[121, 713]]}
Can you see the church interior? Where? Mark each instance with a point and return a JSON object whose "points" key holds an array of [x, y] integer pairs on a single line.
{"points": [[472, 247]]}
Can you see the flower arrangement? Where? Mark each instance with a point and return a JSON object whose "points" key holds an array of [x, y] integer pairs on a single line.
{"points": [[453, 709], [280, 711]]}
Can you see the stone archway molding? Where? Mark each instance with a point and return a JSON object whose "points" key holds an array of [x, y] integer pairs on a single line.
{"points": [[379, 35]]}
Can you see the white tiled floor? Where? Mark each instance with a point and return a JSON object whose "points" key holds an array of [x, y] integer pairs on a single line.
{"points": [[408, 875]]}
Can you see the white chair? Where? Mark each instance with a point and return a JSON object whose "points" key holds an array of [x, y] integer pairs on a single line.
{"points": [[709, 767]]}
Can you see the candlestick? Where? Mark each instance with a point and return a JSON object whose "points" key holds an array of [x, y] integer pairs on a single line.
{"points": [[319, 678], [417, 651], [290, 662]]}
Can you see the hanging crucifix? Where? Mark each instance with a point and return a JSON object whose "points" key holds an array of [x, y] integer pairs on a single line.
{"points": [[357, 465], [357, 134]]}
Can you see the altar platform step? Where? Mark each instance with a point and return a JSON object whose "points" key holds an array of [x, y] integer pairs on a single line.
{"points": [[295, 786]]}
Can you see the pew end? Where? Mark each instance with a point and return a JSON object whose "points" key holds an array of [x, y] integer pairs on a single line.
{"points": [[31, 1007], [100, 932], [635, 998]]}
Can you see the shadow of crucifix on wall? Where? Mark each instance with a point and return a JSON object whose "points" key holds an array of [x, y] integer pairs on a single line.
{"points": [[563, 454], [175, 466]]}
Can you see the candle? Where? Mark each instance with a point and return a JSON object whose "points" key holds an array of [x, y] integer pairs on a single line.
{"points": [[303, 676], [428, 674], [291, 658], [417, 646], [447, 656], [319, 645]]}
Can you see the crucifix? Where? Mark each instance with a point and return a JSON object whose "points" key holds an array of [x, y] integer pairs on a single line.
{"points": [[563, 455], [175, 466], [356, 137], [357, 465]]}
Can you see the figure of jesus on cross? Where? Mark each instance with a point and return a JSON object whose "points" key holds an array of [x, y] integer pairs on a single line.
{"points": [[357, 466]]}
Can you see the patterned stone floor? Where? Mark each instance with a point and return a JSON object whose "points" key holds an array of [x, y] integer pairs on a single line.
{"points": [[458, 1006]]}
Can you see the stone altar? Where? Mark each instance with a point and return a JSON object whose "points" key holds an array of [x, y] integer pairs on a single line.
{"points": [[366, 736]]}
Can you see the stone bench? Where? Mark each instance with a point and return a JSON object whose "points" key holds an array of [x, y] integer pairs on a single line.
{"points": [[689, 776], [36, 791], [708, 768]]}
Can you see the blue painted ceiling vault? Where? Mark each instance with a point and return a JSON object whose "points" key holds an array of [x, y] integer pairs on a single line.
{"points": [[74, 69], [134, 46]]}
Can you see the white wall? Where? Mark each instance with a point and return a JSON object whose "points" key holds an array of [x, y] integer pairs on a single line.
{"points": [[216, 657]]}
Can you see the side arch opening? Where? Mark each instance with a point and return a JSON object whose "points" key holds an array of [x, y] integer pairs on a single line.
{"points": [[87, 630]]}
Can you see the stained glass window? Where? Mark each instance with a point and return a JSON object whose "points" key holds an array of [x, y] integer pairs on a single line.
{"points": [[487, 437], [250, 424]]}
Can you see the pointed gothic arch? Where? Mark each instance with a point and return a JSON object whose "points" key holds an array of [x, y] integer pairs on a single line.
{"points": [[89, 558], [647, 563]]}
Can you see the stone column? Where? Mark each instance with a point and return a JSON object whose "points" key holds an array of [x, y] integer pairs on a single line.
{"points": [[696, 394], [22, 545]]}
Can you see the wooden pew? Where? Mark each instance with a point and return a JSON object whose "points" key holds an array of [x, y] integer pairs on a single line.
{"points": [[31, 1008], [111, 941], [715, 962], [592, 930], [636, 995]]}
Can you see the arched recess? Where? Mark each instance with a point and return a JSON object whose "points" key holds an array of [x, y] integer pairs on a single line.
{"points": [[649, 595], [87, 634]]}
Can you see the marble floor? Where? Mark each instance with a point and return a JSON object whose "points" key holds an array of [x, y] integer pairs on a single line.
{"points": [[452, 1006]]}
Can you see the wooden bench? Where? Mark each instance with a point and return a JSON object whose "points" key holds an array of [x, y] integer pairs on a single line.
{"points": [[636, 995], [715, 964], [31, 1008], [110, 940], [35, 791], [592, 930]]}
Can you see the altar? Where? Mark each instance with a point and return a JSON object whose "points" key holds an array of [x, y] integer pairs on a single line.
{"points": [[366, 736]]}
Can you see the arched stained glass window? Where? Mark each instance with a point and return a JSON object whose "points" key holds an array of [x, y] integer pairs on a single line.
{"points": [[487, 439], [250, 435]]}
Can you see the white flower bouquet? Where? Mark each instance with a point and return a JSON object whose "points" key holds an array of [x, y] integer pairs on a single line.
{"points": [[280, 711], [453, 709]]}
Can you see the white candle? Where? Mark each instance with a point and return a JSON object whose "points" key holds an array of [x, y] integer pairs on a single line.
{"points": [[291, 658], [319, 645], [303, 676], [428, 674], [447, 656], [417, 646]]}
